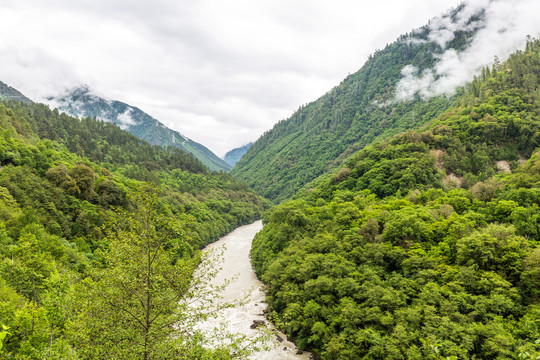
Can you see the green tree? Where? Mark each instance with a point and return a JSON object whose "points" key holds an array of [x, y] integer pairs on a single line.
{"points": [[139, 305], [84, 178], [60, 177], [131, 304], [3, 335], [494, 248]]}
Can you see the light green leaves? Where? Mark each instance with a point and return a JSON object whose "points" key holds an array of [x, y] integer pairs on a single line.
{"points": [[3, 335]]}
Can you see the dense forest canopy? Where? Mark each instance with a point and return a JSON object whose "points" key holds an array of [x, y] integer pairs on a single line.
{"points": [[80, 202], [405, 230], [425, 245]]}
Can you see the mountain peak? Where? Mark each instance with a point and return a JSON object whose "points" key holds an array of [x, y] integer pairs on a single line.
{"points": [[83, 102], [233, 156]]}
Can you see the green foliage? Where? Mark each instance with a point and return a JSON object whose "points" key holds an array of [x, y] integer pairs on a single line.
{"points": [[463, 147], [97, 140], [392, 278], [357, 112], [3, 335], [424, 245], [56, 226], [130, 307]]}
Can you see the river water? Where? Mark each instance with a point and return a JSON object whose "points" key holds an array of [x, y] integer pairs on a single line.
{"points": [[245, 285]]}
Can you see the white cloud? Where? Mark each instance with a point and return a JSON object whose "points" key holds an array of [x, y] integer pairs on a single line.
{"points": [[505, 26], [35, 72], [125, 120], [443, 28], [219, 72], [412, 83]]}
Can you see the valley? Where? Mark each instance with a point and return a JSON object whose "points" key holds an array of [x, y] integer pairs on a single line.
{"points": [[395, 217], [247, 291]]}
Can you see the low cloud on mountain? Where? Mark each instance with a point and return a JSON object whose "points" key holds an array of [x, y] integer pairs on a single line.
{"points": [[503, 28]]}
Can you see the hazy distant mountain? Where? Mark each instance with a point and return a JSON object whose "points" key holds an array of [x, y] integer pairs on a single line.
{"points": [[234, 155], [9, 93], [82, 102]]}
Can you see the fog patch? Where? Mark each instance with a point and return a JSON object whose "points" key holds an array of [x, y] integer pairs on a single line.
{"points": [[125, 120], [503, 26]]}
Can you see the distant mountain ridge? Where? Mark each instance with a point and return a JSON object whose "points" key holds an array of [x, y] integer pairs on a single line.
{"points": [[82, 102], [233, 156], [9, 93]]}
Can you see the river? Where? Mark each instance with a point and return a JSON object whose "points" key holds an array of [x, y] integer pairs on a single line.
{"points": [[245, 284]]}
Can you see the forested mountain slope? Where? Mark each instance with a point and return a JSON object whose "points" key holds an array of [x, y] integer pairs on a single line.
{"points": [[9, 93], [82, 205], [82, 102], [233, 156], [425, 245], [360, 110]]}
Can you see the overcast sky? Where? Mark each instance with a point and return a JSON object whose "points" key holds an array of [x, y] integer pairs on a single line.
{"points": [[219, 72]]}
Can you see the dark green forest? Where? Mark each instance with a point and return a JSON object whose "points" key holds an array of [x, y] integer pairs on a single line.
{"points": [[424, 245], [83, 206]]}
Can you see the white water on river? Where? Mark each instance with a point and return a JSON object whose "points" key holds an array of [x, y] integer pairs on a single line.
{"points": [[236, 264]]}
